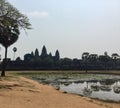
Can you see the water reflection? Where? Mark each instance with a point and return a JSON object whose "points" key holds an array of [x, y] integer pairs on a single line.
{"points": [[97, 86], [106, 89], [116, 89], [87, 91], [107, 82]]}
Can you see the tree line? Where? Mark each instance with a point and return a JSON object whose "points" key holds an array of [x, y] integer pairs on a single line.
{"points": [[45, 61]]}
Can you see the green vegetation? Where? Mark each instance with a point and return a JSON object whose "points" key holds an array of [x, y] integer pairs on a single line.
{"points": [[11, 21], [77, 75]]}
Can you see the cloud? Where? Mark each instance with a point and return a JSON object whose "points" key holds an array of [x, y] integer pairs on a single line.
{"points": [[37, 14]]}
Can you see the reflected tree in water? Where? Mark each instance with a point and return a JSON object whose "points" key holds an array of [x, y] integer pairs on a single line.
{"points": [[87, 91]]}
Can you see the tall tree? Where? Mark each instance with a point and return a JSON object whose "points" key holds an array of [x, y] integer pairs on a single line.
{"points": [[11, 21], [14, 50]]}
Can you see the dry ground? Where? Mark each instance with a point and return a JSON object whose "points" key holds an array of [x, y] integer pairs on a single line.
{"points": [[20, 92]]}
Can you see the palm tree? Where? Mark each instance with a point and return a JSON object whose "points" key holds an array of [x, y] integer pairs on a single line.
{"points": [[11, 20], [8, 36], [14, 50]]}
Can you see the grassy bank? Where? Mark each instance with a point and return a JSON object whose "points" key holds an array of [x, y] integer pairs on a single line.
{"points": [[115, 72]]}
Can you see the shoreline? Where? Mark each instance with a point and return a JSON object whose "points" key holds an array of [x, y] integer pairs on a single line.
{"points": [[105, 72], [21, 92]]}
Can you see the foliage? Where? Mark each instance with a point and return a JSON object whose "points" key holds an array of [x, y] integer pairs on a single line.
{"points": [[11, 21], [54, 62], [14, 49], [88, 62]]}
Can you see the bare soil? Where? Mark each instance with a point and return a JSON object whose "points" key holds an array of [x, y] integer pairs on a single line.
{"points": [[20, 92]]}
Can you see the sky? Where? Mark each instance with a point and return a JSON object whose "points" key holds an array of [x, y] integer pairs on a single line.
{"points": [[71, 26]]}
